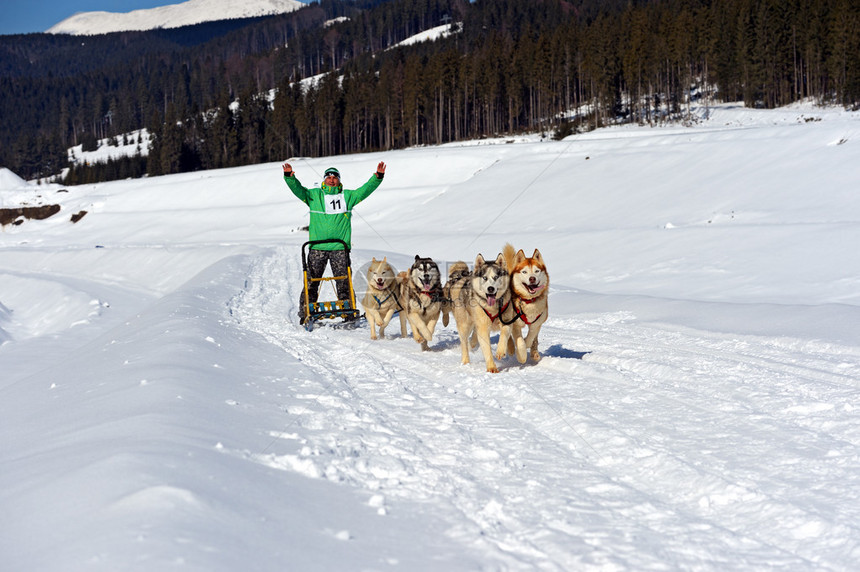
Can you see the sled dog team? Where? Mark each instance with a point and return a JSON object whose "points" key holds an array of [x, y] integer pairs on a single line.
{"points": [[504, 295]]}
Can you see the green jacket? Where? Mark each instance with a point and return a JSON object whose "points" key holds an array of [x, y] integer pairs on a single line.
{"points": [[331, 209]]}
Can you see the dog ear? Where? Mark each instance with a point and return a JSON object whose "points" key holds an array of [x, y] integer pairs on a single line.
{"points": [[383, 259], [521, 256], [417, 258], [500, 260], [374, 260], [479, 261], [537, 255]]}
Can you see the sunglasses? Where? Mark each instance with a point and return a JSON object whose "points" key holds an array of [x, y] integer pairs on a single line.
{"points": [[332, 174]]}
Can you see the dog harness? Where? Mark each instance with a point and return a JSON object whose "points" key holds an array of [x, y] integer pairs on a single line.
{"points": [[501, 310], [435, 295], [518, 313], [384, 300], [521, 315]]}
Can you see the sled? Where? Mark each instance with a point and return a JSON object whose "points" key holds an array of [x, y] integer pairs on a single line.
{"points": [[331, 309]]}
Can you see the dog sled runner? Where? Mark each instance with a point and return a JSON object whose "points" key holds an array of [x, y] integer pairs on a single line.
{"points": [[345, 310]]}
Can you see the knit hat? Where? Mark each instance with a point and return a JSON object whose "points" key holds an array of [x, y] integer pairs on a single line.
{"points": [[332, 171]]}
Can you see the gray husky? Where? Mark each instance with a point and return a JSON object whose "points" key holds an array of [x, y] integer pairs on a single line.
{"points": [[421, 296], [481, 303]]}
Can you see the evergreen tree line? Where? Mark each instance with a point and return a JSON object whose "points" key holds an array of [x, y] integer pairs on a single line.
{"points": [[524, 66], [58, 90], [514, 66], [112, 169]]}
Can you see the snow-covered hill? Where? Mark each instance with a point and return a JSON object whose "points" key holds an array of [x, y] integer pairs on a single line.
{"points": [[9, 180], [173, 16], [697, 406]]}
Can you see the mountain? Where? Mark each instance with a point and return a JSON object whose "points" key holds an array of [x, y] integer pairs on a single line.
{"points": [[173, 16]]}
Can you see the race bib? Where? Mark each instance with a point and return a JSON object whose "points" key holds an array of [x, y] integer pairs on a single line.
{"points": [[335, 204]]}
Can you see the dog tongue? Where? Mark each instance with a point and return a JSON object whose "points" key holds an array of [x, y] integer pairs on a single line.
{"points": [[491, 300]]}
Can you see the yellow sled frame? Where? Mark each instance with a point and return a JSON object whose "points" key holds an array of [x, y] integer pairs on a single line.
{"points": [[345, 309]]}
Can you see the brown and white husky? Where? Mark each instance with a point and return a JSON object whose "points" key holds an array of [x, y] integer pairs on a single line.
{"points": [[529, 289]]}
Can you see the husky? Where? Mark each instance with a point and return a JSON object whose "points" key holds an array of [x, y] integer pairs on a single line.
{"points": [[421, 296], [529, 289], [481, 303], [382, 298]]}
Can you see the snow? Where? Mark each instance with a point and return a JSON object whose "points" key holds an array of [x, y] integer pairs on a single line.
{"points": [[185, 13], [9, 180], [15, 192], [432, 34], [136, 143], [334, 21], [696, 407]]}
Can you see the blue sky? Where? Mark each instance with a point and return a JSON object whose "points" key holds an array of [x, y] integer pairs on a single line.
{"points": [[27, 16]]}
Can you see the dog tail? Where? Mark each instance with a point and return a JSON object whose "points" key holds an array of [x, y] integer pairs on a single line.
{"points": [[457, 271], [510, 256]]}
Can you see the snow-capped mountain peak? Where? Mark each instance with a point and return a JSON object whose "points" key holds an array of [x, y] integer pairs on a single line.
{"points": [[173, 16]]}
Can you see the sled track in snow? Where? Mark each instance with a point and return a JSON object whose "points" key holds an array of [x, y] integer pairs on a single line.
{"points": [[660, 446]]}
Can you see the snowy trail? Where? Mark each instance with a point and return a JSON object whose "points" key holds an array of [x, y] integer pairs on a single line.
{"points": [[612, 456]]}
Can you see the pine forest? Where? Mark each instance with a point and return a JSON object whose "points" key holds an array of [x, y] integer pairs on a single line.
{"points": [[332, 78]]}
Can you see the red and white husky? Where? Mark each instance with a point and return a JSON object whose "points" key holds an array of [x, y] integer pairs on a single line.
{"points": [[529, 288]]}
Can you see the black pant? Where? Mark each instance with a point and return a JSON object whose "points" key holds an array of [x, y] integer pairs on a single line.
{"points": [[317, 260]]}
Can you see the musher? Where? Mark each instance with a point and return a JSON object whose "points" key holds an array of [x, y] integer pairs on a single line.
{"points": [[331, 218]]}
